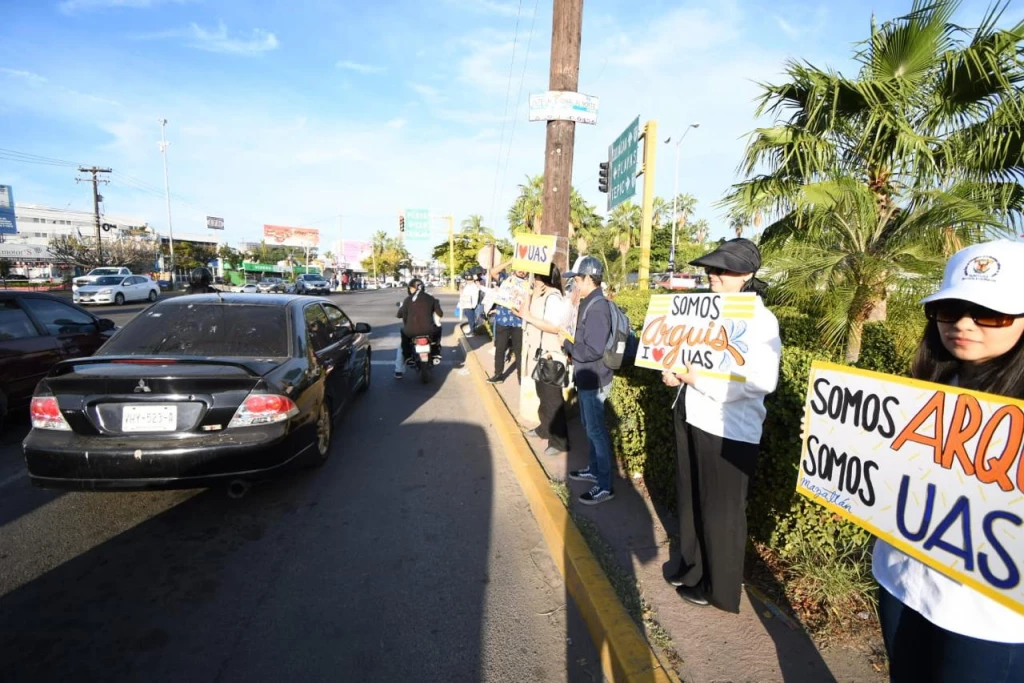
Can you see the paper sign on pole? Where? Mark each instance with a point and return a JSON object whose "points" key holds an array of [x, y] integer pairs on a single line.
{"points": [[933, 470], [708, 331], [534, 253]]}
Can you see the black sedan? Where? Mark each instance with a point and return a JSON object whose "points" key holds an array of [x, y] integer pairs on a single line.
{"points": [[198, 390]]}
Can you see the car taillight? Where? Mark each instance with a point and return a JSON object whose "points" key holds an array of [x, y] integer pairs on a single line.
{"points": [[261, 409], [46, 414]]}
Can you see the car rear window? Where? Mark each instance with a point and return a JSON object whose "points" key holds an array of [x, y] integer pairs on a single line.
{"points": [[213, 329]]}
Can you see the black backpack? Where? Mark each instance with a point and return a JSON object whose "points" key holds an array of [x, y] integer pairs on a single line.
{"points": [[620, 349]]}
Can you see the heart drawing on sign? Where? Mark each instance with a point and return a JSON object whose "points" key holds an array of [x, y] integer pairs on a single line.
{"points": [[523, 249], [658, 354]]}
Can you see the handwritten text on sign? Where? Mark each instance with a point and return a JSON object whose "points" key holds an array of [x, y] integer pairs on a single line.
{"points": [[534, 253], [935, 471], [513, 293], [703, 330]]}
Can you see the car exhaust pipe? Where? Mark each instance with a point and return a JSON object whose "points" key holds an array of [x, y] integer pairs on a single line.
{"points": [[238, 488]]}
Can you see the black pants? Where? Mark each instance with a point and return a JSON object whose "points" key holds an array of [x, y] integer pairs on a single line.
{"points": [[506, 338], [712, 476], [553, 425]]}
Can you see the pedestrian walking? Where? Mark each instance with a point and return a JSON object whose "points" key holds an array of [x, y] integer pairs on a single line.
{"points": [[718, 431], [508, 327], [469, 299], [593, 378], [936, 629], [542, 319]]}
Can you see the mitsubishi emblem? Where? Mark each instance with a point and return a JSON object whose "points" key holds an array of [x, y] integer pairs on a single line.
{"points": [[142, 388]]}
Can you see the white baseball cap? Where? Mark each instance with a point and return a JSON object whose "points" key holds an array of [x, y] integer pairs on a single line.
{"points": [[990, 274]]}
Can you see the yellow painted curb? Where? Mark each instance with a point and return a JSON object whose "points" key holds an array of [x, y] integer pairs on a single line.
{"points": [[625, 654]]}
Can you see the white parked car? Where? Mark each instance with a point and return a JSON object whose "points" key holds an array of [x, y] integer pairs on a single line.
{"points": [[96, 273], [247, 288], [117, 289]]}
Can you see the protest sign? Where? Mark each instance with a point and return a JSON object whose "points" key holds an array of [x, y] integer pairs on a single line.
{"points": [[534, 253], [933, 470], [707, 331], [513, 293]]}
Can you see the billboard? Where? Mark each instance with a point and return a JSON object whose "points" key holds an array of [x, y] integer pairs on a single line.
{"points": [[352, 253], [284, 236], [214, 223], [8, 225]]}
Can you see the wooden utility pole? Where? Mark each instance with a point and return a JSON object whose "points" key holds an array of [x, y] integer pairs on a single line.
{"points": [[96, 199], [566, 32]]}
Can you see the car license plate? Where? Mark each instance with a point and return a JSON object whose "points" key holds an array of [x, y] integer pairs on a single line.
{"points": [[149, 418]]}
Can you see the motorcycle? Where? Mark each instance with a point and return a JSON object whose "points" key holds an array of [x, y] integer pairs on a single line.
{"points": [[426, 354]]}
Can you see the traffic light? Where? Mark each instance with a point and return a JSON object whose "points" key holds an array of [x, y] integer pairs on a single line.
{"points": [[401, 223], [602, 177]]}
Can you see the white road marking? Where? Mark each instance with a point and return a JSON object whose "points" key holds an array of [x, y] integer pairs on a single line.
{"points": [[13, 478]]}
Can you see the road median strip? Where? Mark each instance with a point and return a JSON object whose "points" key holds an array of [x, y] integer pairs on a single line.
{"points": [[625, 653]]}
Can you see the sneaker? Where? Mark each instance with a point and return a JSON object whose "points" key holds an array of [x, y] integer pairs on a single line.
{"points": [[583, 475], [551, 450], [398, 375], [693, 595], [532, 434], [596, 495], [495, 380]]}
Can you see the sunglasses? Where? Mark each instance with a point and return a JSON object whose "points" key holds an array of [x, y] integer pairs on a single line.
{"points": [[710, 270], [954, 311]]}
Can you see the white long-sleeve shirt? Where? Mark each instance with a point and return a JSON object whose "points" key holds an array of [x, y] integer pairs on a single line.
{"points": [[735, 410]]}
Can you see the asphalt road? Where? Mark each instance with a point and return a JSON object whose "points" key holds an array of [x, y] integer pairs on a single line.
{"points": [[412, 555]]}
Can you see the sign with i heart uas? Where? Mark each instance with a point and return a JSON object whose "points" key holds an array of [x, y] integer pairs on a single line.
{"points": [[534, 253], [933, 470], [706, 331]]}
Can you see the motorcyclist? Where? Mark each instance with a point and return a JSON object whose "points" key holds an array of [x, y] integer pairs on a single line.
{"points": [[420, 314], [200, 281]]}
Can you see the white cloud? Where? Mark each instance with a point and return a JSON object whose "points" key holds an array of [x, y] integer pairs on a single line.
{"points": [[505, 9], [429, 93], [30, 77], [397, 123], [685, 31], [219, 41], [360, 68], [787, 28], [798, 23], [71, 6]]}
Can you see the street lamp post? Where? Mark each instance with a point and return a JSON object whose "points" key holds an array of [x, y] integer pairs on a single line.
{"points": [[675, 197], [167, 192]]}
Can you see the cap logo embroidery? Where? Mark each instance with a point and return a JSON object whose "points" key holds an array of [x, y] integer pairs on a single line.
{"points": [[982, 268]]}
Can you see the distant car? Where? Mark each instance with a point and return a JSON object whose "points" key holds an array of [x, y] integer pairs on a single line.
{"points": [[247, 288], [312, 283], [117, 289], [200, 389], [37, 331], [96, 273], [272, 285]]}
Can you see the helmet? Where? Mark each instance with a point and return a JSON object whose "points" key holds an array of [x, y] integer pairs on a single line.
{"points": [[200, 276], [415, 285]]}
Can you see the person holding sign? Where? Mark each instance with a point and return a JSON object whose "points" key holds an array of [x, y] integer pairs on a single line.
{"points": [[718, 431], [935, 628], [508, 327], [543, 317]]}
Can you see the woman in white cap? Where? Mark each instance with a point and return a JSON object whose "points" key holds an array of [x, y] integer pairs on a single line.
{"points": [[718, 432], [937, 629]]}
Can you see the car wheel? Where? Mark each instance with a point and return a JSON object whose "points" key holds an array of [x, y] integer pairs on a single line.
{"points": [[152, 295], [324, 433], [119, 299], [365, 384]]}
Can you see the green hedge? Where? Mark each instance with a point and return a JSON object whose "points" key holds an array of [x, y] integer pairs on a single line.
{"points": [[644, 440]]}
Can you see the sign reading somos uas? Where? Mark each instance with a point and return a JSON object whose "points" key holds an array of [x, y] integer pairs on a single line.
{"points": [[935, 471], [705, 330], [534, 253]]}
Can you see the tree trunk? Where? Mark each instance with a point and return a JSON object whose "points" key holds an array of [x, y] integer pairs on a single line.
{"points": [[854, 341]]}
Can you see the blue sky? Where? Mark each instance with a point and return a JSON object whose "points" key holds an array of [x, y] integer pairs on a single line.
{"points": [[295, 112]]}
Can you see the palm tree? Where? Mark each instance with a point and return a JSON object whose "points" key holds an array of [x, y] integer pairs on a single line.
{"points": [[624, 224], [525, 214], [737, 224], [474, 225], [872, 180]]}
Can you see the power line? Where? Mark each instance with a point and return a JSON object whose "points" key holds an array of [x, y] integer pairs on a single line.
{"points": [[504, 119], [515, 119]]}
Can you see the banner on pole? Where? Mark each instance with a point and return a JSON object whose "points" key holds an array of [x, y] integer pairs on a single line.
{"points": [[534, 253], [706, 331], [933, 470]]}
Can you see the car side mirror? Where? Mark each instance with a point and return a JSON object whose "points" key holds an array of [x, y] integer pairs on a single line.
{"points": [[363, 328], [105, 324]]}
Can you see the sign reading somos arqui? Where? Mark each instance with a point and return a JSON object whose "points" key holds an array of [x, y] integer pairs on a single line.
{"points": [[706, 331], [934, 470]]}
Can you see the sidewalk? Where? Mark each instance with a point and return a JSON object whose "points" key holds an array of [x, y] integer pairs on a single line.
{"points": [[705, 645]]}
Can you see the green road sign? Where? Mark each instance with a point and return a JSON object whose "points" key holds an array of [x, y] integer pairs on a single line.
{"points": [[624, 157], [417, 225]]}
